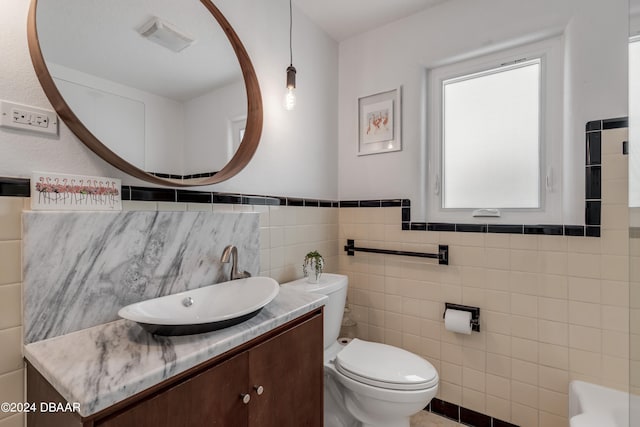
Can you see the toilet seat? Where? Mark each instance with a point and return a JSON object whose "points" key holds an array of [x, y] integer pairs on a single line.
{"points": [[385, 366]]}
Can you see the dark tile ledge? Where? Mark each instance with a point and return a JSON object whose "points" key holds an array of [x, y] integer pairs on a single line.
{"points": [[19, 187], [463, 415]]}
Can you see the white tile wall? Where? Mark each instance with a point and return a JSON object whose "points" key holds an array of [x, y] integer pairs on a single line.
{"points": [[11, 364], [617, 338], [553, 308]]}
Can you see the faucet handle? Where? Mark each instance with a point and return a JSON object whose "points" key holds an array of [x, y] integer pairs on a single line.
{"points": [[232, 252], [227, 252]]}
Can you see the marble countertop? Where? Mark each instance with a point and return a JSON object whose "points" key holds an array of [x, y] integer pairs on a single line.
{"points": [[105, 364]]}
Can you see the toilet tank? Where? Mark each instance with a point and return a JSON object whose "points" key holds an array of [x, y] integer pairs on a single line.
{"points": [[334, 286]]}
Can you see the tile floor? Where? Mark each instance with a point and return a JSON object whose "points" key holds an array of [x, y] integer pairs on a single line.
{"points": [[427, 419]]}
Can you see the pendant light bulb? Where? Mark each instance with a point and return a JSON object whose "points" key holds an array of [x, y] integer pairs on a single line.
{"points": [[290, 99], [290, 96]]}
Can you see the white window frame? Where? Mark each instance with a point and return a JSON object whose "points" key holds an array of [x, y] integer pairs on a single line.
{"points": [[236, 128], [634, 129], [551, 54]]}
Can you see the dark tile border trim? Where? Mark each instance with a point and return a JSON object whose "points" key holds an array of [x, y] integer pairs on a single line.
{"points": [[505, 228], [593, 174], [471, 228], [463, 415], [550, 230], [574, 230], [439, 226], [147, 194], [593, 171], [185, 196], [390, 203], [20, 187], [444, 409], [181, 177], [15, 187], [615, 123], [620, 122]]}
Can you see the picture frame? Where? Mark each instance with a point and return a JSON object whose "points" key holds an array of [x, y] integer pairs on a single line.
{"points": [[380, 122], [63, 192]]}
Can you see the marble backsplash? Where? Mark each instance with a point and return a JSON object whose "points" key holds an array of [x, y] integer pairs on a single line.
{"points": [[80, 268]]}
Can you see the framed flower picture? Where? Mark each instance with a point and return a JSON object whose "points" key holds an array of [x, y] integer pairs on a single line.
{"points": [[379, 123]]}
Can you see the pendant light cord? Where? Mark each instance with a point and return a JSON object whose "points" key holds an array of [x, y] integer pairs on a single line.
{"points": [[290, 33]]}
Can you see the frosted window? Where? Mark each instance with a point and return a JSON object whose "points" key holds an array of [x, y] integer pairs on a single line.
{"points": [[491, 137]]}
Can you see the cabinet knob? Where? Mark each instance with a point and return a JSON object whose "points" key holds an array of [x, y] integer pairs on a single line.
{"points": [[259, 389], [246, 397]]}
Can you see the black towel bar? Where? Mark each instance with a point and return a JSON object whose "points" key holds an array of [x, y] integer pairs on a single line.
{"points": [[442, 256]]}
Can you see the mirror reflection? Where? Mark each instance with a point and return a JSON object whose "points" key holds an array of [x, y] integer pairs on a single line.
{"points": [[156, 81]]}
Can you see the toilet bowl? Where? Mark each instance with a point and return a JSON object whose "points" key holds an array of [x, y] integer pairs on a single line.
{"points": [[366, 383]]}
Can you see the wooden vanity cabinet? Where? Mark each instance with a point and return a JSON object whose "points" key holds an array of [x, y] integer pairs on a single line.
{"points": [[211, 398], [274, 380], [290, 369]]}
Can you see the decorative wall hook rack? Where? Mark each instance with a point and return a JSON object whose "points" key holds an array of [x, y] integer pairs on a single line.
{"points": [[442, 256]]}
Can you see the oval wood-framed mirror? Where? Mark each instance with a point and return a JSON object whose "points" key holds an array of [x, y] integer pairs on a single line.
{"points": [[251, 132]]}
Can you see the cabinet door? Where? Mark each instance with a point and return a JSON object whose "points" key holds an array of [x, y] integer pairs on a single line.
{"points": [[212, 398], [289, 367]]}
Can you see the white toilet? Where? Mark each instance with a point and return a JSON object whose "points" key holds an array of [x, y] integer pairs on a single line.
{"points": [[367, 384]]}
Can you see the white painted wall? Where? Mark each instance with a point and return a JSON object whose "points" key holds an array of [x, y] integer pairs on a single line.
{"points": [[397, 54], [297, 155], [207, 121], [160, 123], [153, 132], [634, 17]]}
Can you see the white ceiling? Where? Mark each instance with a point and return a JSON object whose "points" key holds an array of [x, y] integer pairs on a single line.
{"points": [[342, 19], [98, 38]]}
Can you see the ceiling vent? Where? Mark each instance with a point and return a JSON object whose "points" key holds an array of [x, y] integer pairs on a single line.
{"points": [[165, 34]]}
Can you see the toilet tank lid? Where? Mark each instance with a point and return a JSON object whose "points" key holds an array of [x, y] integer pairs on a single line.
{"points": [[327, 284], [386, 364]]}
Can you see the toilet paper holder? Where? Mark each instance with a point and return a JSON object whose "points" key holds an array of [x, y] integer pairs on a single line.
{"points": [[475, 313]]}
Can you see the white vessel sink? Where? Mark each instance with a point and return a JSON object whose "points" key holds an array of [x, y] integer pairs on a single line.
{"points": [[205, 309]]}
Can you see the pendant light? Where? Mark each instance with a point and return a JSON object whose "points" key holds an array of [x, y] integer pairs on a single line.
{"points": [[290, 97]]}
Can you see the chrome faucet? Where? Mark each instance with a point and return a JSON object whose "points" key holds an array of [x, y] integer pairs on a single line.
{"points": [[229, 252]]}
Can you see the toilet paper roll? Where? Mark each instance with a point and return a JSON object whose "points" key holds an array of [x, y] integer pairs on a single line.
{"points": [[458, 321]]}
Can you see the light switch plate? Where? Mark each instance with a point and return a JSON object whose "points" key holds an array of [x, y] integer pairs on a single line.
{"points": [[25, 117]]}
